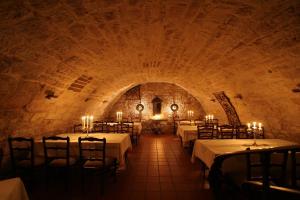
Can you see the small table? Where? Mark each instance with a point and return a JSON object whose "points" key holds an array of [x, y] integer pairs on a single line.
{"points": [[207, 150], [13, 189], [187, 133]]}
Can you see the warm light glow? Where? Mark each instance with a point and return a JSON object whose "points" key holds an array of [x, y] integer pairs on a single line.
{"points": [[253, 125], [119, 116], [190, 114], [209, 117], [259, 126], [157, 117], [87, 122]]}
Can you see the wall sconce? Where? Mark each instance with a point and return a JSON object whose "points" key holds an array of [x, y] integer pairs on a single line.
{"points": [[87, 123]]}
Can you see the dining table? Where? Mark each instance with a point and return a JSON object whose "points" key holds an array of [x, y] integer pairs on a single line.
{"points": [[187, 133], [208, 150], [117, 144], [13, 189]]}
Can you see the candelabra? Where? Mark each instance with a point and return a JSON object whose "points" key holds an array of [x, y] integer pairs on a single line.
{"points": [[190, 114], [254, 129], [87, 123], [119, 116]]}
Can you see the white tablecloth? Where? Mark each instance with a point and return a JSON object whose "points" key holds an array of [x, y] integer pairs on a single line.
{"points": [[116, 144], [13, 189], [187, 133], [207, 150]]}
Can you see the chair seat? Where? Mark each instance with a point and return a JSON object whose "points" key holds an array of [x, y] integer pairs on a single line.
{"points": [[109, 161], [38, 161], [62, 162]]}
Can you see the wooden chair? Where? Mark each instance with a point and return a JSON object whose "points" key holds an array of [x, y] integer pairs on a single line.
{"points": [[226, 132], [22, 155], [92, 157], [130, 129], [77, 128], [205, 132], [100, 127], [277, 165], [295, 171], [57, 155], [111, 127], [242, 132], [264, 186]]}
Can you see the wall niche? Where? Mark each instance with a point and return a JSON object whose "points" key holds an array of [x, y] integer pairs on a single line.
{"points": [[157, 99]]}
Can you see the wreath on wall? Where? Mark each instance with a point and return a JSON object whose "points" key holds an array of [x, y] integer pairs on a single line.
{"points": [[174, 107], [139, 107]]}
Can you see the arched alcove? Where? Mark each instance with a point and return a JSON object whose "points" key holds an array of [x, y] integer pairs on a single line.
{"points": [[157, 97]]}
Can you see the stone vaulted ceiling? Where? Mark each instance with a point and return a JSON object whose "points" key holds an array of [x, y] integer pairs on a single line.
{"points": [[61, 59]]}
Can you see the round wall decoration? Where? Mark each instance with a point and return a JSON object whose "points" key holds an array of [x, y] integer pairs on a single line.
{"points": [[139, 107], [174, 107]]}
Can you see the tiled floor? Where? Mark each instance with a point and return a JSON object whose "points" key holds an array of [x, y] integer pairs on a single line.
{"points": [[158, 168]]}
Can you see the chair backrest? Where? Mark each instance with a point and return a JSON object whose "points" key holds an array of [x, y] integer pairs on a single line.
{"points": [[128, 127], [212, 123], [100, 127], [56, 148], [226, 132], [295, 172], [276, 164], [21, 148], [266, 163], [123, 128], [242, 132], [92, 149], [111, 127], [205, 132], [77, 128]]}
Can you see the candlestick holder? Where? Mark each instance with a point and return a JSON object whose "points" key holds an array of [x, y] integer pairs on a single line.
{"points": [[254, 130], [87, 124]]}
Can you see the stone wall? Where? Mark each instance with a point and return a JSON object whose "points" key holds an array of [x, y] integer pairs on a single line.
{"points": [[145, 93]]}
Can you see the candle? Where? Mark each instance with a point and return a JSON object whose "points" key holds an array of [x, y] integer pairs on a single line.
{"points": [[91, 121], [119, 116], [212, 116], [83, 122], [254, 125], [259, 126], [249, 126]]}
